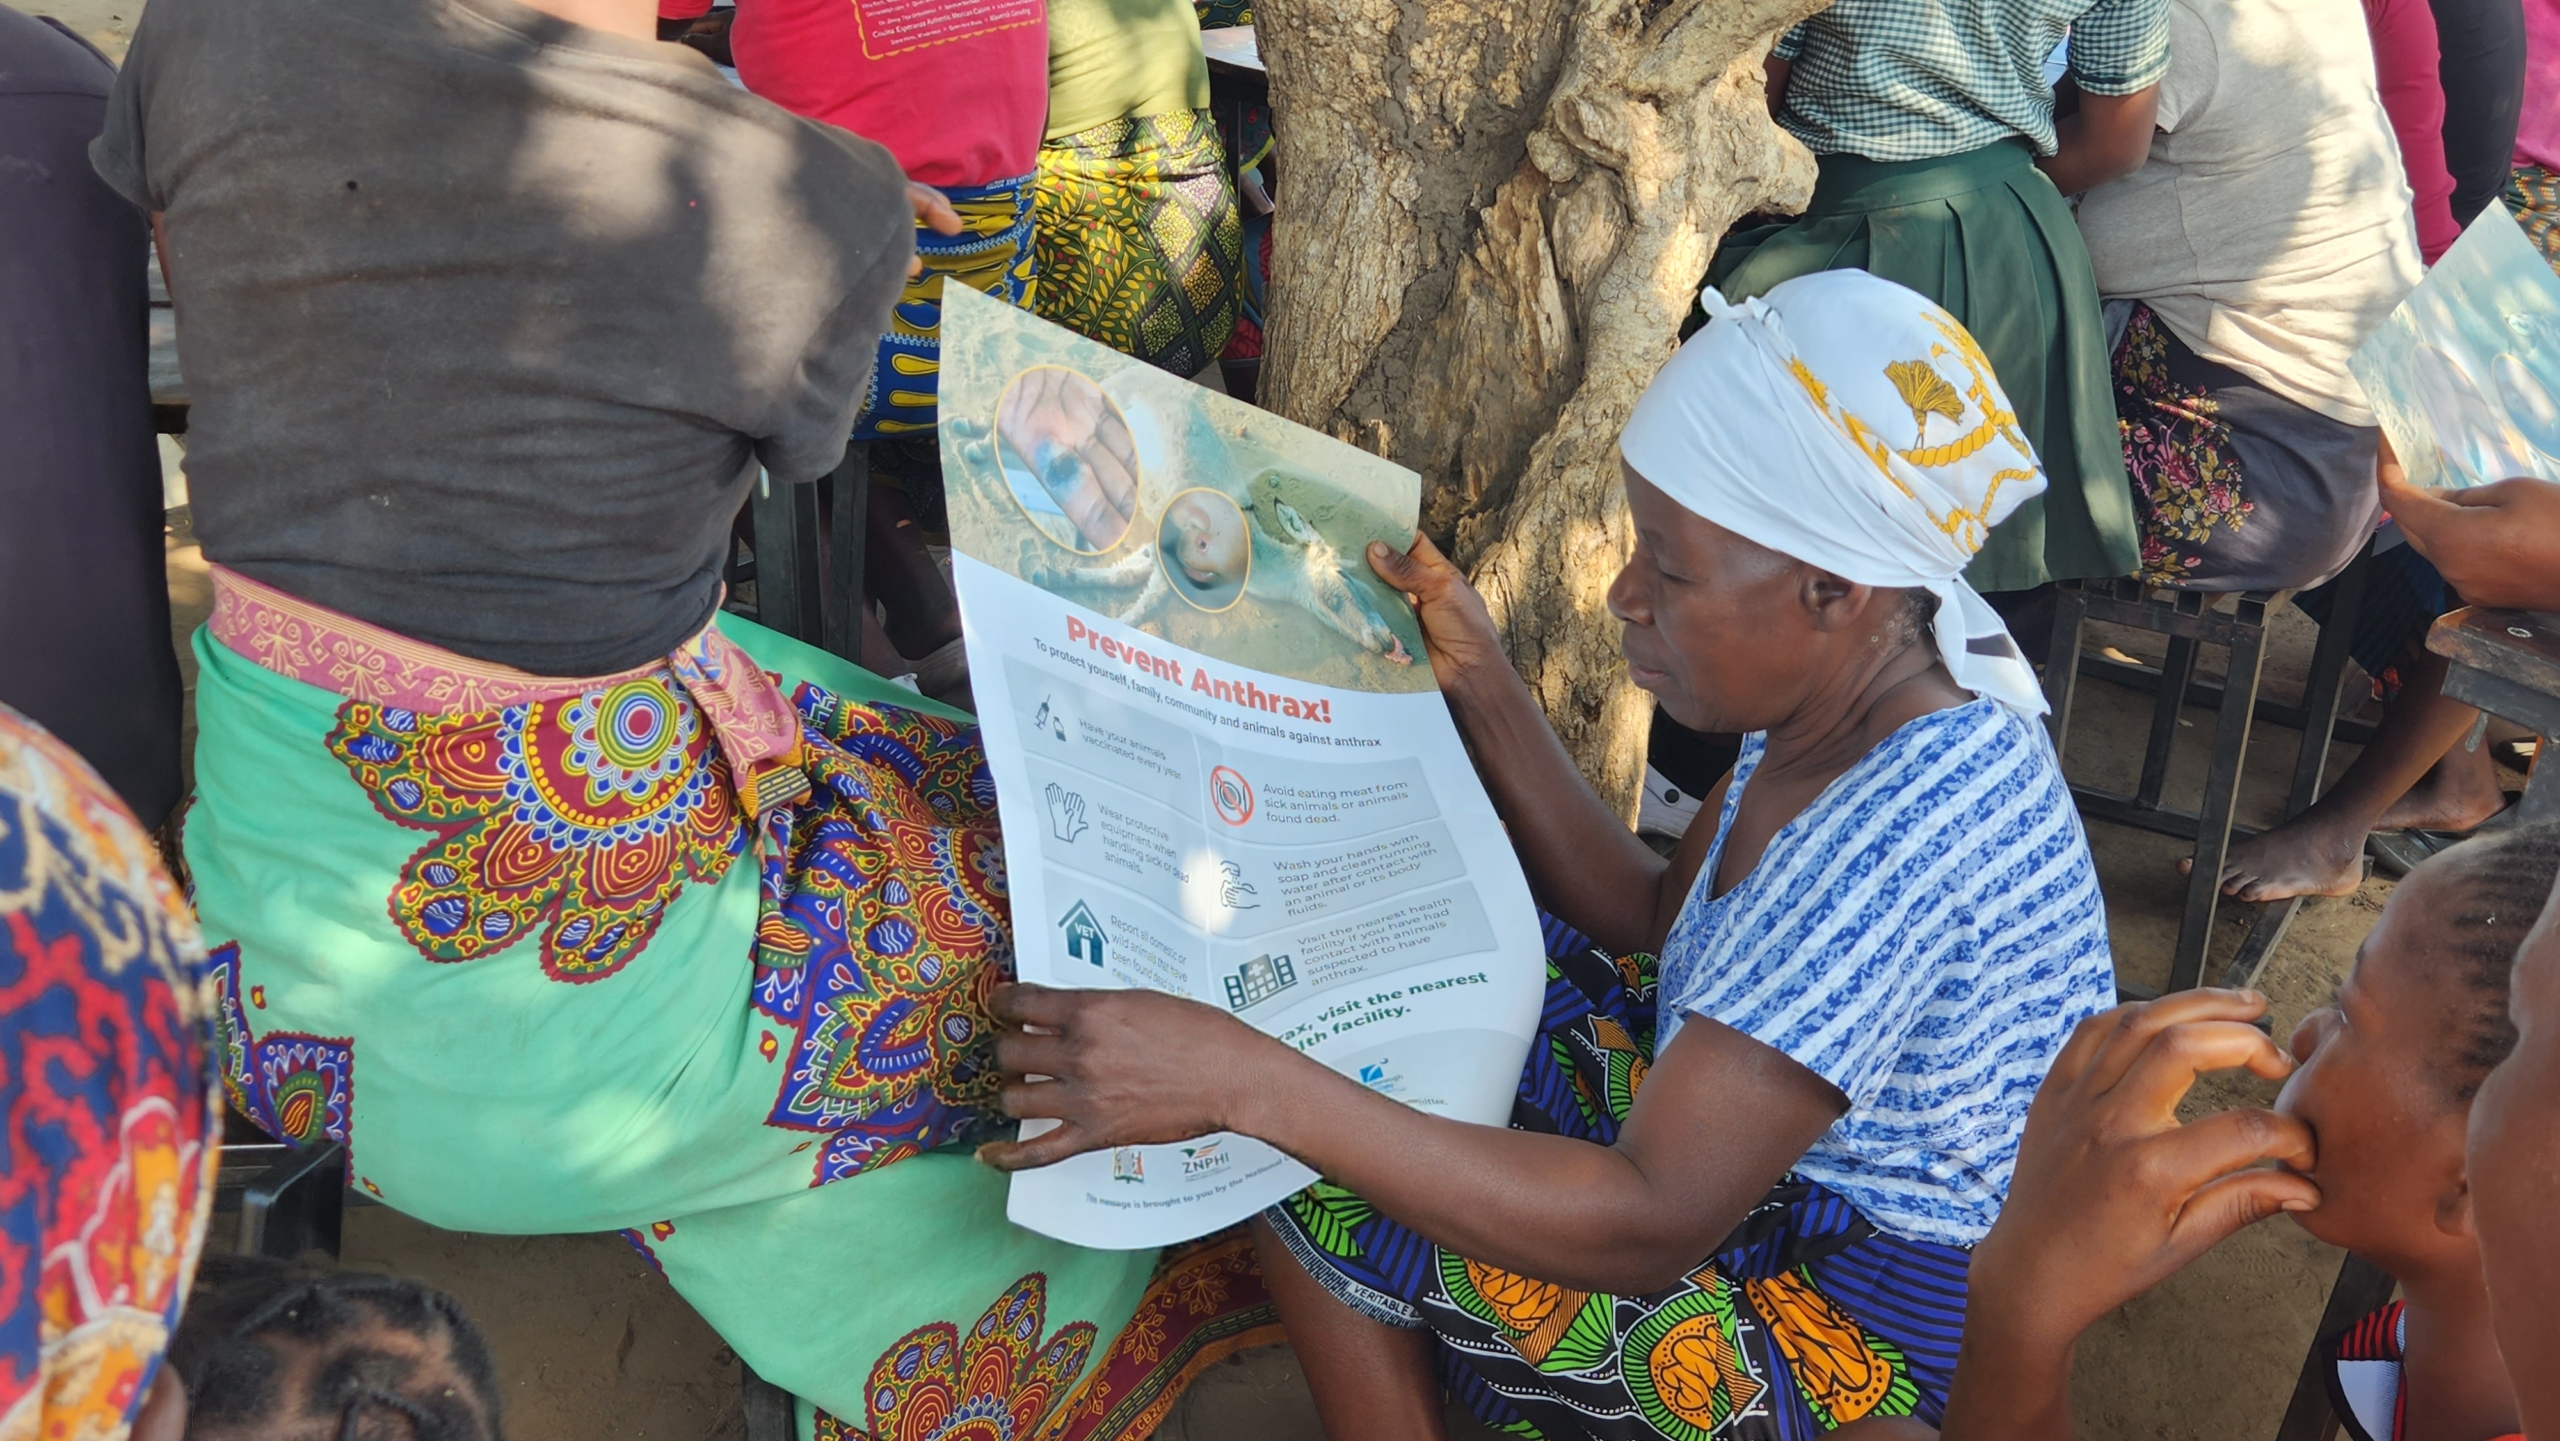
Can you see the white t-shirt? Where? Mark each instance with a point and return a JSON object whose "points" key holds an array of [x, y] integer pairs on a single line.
{"points": [[2271, 229]]}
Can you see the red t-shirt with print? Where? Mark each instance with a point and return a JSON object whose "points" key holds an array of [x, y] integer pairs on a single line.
{"points": [[958, 90]]}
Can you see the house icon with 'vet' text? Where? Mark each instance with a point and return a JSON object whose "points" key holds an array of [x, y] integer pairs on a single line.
{"points": [[1084, 934]]}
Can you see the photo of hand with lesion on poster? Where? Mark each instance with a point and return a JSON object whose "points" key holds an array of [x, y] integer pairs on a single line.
{"points": [[1183, 513], [1068, 458]]}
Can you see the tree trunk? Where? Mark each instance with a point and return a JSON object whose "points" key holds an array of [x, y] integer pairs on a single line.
{"points": [[1496, 215]]}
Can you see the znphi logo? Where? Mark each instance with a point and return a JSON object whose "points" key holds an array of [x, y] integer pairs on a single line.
{"points": [[1208, 1156]]}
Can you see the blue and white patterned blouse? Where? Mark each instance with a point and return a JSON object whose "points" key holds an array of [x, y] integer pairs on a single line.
{"points": [[1924, 937]]}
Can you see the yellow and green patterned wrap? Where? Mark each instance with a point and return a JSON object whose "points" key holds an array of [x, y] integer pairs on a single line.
{"points": [[1140, 246]]}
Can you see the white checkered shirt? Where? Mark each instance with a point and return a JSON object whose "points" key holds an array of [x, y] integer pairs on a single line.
{"points": [[1918, 79]]}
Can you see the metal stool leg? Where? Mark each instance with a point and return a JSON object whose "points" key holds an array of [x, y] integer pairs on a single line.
{"points": [[2322, 699], [787, 575], [848, 533], [2062, 661], [2322, 688], [298, 1205], [2176, 673], [2221, 798], [768, 1406]]}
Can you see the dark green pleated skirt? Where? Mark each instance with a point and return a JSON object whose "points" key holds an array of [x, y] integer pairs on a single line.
{"points": [[1987, 236]]}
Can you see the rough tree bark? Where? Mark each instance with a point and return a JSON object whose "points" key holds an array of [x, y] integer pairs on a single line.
{"points": [[1497, 213]]}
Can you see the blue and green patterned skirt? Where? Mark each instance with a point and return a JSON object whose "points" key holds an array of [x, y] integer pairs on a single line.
{"points": [[1807, 1318]]}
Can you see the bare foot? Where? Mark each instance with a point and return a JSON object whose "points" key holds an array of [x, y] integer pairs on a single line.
{"points": [[2457, 793], [2310, 855]]}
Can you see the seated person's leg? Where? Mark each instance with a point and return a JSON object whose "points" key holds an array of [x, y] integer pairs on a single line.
{"points": [[923, 614], [2318, 852], [2411, 775], [2457, 793], [1369, 1378]]}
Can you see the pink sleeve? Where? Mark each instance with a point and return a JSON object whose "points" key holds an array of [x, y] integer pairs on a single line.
{"points": [[2538, 132], [2404, 62], [696, 9]]}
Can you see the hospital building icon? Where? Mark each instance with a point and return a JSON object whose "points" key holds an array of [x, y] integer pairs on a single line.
{"points": [[1258, 980]]}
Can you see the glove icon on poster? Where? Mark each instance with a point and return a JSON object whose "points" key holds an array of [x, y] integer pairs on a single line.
{"points": [[1066, 812]]}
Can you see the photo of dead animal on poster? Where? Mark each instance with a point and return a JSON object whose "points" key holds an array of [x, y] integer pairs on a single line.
{"points": [[1189, 516]]}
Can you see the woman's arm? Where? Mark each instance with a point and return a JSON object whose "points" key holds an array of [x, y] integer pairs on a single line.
{"points": [[1719, 1118], [1774, 72], [2496, 544], [1582, 861], [2107, 138]]}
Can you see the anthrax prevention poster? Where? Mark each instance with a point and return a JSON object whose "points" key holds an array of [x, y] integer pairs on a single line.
{"points": [[1221, 763]]}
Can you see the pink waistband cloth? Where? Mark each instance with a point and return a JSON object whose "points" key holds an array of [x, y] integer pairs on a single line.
{"points": [[757, 729]]}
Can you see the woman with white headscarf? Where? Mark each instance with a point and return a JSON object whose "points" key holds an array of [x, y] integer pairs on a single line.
{"points": [[1741, 1187]]}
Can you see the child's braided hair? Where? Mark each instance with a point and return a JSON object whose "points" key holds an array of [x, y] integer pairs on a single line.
{"points": [[2501, 881], [290, 1352]]}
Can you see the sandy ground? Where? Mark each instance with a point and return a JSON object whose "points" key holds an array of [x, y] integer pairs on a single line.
{"points": [[592, 1344], [108, 24]]}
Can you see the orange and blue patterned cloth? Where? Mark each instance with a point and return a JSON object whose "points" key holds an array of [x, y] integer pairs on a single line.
{"points": [[1807, 1317], [108, 1159], [696, 952]]}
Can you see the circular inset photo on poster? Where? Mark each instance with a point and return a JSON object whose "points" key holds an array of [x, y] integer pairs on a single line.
{"points": [[1205, 550], [1068, 458]]}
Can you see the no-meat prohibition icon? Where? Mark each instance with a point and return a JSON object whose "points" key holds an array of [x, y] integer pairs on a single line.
{"points": [[1231, 795]]}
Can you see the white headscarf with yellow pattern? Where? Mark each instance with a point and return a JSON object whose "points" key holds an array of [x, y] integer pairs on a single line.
{"points": [[1852, 424]]}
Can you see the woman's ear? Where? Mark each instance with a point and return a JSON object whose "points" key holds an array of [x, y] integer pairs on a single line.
{"points": [[164, 1415], [2453, 1209], [1830, 602]]}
